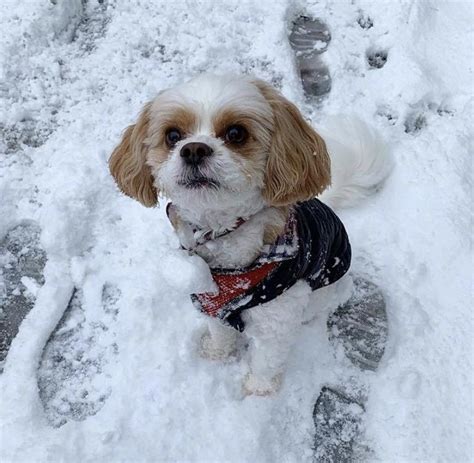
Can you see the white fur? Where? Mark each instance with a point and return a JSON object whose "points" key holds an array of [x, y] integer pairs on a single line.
{"points": [[237, 249], [360, 162]]}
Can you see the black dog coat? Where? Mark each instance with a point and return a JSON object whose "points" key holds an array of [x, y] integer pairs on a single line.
{"points": [[314, 247]]}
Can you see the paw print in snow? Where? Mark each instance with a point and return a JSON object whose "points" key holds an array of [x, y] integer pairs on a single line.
{"points": [[376, 58]]}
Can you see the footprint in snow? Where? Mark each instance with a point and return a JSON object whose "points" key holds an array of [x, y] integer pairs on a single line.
{"points": [[365, 21], [387, 114], [376, 58], [73, 372], [22, 262], [361, 326], [416, 118], [338, 421], [81, 23], [414, 122], [92, 24], [419, 114], [309, 38], [31, 133]]}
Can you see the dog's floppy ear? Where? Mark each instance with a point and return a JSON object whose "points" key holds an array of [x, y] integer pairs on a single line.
{"points": [[298, 166], [128, 162]]}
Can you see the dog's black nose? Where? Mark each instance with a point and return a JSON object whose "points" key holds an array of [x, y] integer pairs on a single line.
{"points": [[194, 153]]}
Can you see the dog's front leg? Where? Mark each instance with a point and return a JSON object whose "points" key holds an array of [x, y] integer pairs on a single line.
{"points": [[218, 343], [272, 329]]}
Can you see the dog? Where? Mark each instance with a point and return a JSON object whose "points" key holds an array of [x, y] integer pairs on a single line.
{"points": [[250, 181]]}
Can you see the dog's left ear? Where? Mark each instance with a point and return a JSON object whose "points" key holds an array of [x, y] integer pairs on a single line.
{"points": [[298, 166]]}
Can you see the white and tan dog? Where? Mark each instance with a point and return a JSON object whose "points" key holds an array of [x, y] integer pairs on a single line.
{"points": [[234, 156]]}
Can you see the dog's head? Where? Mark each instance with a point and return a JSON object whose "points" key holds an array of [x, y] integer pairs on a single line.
{"points": [[218, 141]]}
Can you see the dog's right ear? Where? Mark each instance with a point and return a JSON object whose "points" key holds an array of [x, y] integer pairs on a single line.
{"points": [[128, 162]]}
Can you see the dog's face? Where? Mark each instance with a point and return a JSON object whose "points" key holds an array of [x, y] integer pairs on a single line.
{"points": [[219, 141]]}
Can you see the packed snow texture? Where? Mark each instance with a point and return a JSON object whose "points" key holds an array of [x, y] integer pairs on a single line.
{"points": [[121, 380]]}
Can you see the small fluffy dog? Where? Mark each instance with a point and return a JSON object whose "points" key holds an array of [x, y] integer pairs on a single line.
{"points": [[242, 169]]}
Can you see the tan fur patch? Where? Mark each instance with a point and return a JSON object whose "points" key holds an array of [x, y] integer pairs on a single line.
{"points": [[128, 162], [273, 230], [298, 166]]}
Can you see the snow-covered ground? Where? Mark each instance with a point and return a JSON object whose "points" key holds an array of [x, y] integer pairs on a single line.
{"points": [[121, 379]]}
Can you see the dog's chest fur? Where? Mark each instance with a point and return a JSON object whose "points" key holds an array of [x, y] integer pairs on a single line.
{"points": [[238, 248]]}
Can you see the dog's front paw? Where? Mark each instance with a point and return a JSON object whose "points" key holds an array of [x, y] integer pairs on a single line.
{"points": [[210, 350], [261, 385]]}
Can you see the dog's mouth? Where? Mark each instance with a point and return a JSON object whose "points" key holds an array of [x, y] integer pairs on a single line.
{"points": [[198, 182]]}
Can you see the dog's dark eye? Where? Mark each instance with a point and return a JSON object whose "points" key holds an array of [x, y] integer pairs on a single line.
{"points": [[236, 134], [172, 137]]}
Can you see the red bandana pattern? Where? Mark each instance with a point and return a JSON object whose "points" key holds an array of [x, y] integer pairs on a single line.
{"points": [[231, 287]]}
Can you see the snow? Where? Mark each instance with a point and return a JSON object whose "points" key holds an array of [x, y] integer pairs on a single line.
{"points": [[73, 76]]}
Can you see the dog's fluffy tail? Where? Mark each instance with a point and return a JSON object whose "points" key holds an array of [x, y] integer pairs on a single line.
{"points": [[360, 161]]}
